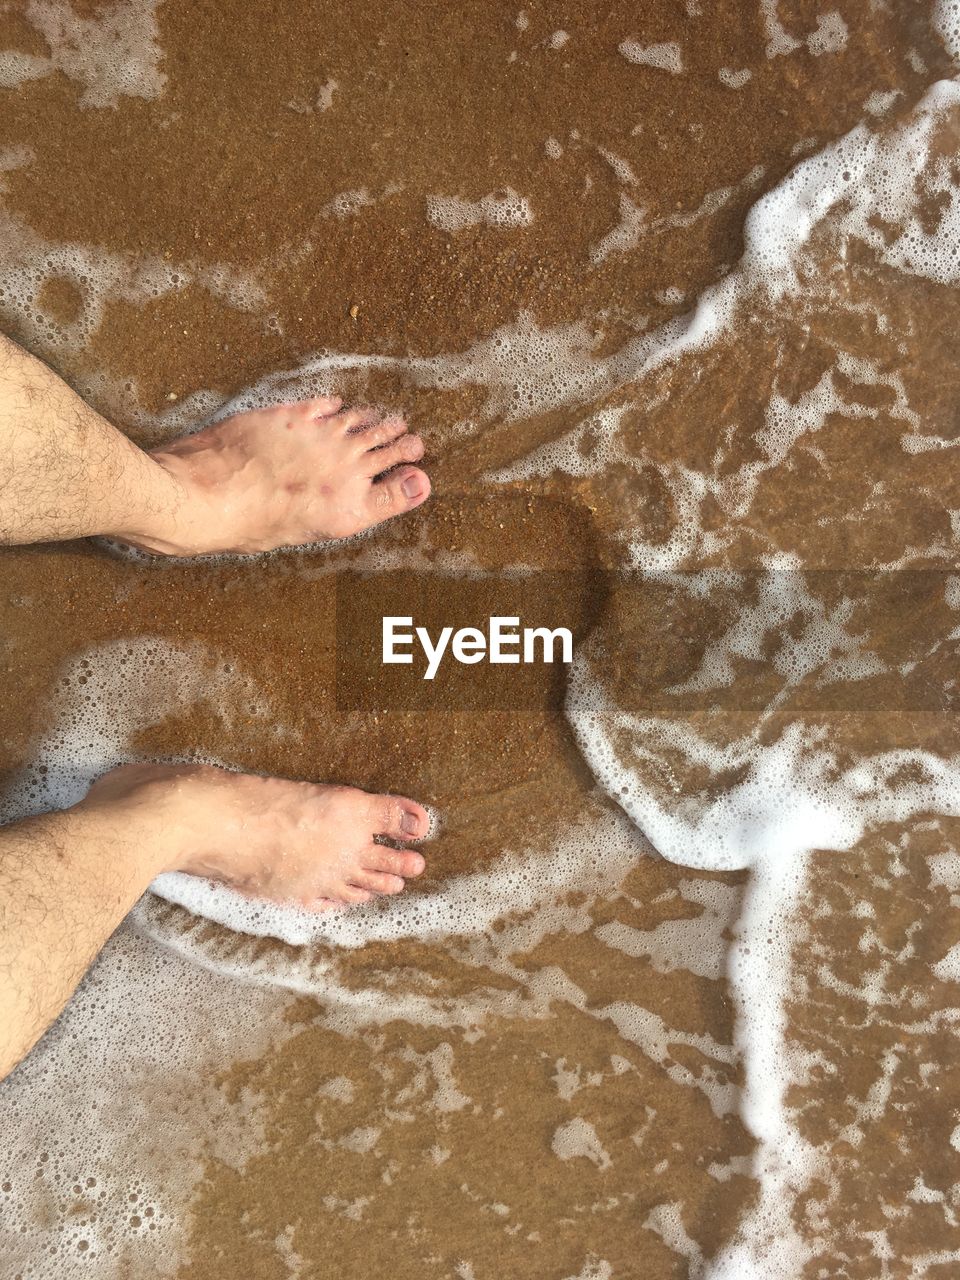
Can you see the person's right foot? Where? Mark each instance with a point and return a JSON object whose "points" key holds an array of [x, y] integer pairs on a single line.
{"points": [[300, 842], [282, 477]]}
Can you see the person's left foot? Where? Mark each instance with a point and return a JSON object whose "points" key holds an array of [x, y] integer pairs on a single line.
{"points": [[311, 844], [295, 474]]}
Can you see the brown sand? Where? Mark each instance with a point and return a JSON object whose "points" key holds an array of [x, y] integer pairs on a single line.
{"points": [[235, 164]]}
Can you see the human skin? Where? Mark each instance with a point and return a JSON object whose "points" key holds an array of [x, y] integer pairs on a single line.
{"points": [[251, 483], [285, 476], [68, 878]]}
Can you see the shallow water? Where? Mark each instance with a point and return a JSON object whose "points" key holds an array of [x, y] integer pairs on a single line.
{"points": [[672, 300]]}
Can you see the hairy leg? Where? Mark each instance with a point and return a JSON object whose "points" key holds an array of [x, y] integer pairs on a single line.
{"points": [[294, 474], [67, 879], [260, 480]]}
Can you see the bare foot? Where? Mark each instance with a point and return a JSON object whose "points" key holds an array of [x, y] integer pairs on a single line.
{"points": [[271, 838], [281, 477]]}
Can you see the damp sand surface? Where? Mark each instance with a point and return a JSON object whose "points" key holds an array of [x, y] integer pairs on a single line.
{"points": [[671, 297]]}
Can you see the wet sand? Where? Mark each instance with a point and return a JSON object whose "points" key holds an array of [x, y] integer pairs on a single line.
{"points": [[555, 1096]]}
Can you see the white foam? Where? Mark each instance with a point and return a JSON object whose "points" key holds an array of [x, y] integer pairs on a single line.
{"points": [[497, 209], [666, 56], [667, 1221], [947, 969], [106, 1127], [598, 851], [830, 36], [325, 94], [99, 277], [946, 20], [654, 1037], [695, 942], [779, 40], [878, 102], [106, 697], [113, 52], [621, 167], [944, 869], [578, 1139], [626, 235], [347, 203], [735, 79]]}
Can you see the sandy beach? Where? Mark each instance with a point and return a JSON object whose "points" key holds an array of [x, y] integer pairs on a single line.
{"points": [[671, 295]]}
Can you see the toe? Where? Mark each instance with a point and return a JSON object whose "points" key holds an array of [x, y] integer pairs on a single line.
{"points": [[395, 862], [406, 449], [401, 490], [323, 406], [353, 893], [399, 818], [355, 420], [380, 433], [379, 882]]}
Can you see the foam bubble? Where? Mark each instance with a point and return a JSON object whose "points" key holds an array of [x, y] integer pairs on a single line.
{"points": [[106, 697], [597, 850], [830, 36], [625, 235], [779, 40], [113, 51], [347, 203], [735, 79], [666, 56], [85, 1192], [498, 209], [98, 277], [946, 20], [578, 1139]]}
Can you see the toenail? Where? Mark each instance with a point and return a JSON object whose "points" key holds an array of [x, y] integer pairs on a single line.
{"points": [[411, 487], [409, 823]]}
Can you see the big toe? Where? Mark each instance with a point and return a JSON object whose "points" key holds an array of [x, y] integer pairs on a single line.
{"points": [[398, 491], [399, 818]]}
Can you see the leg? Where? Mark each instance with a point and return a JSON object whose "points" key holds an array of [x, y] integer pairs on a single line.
{"points": [[67, 879]]}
